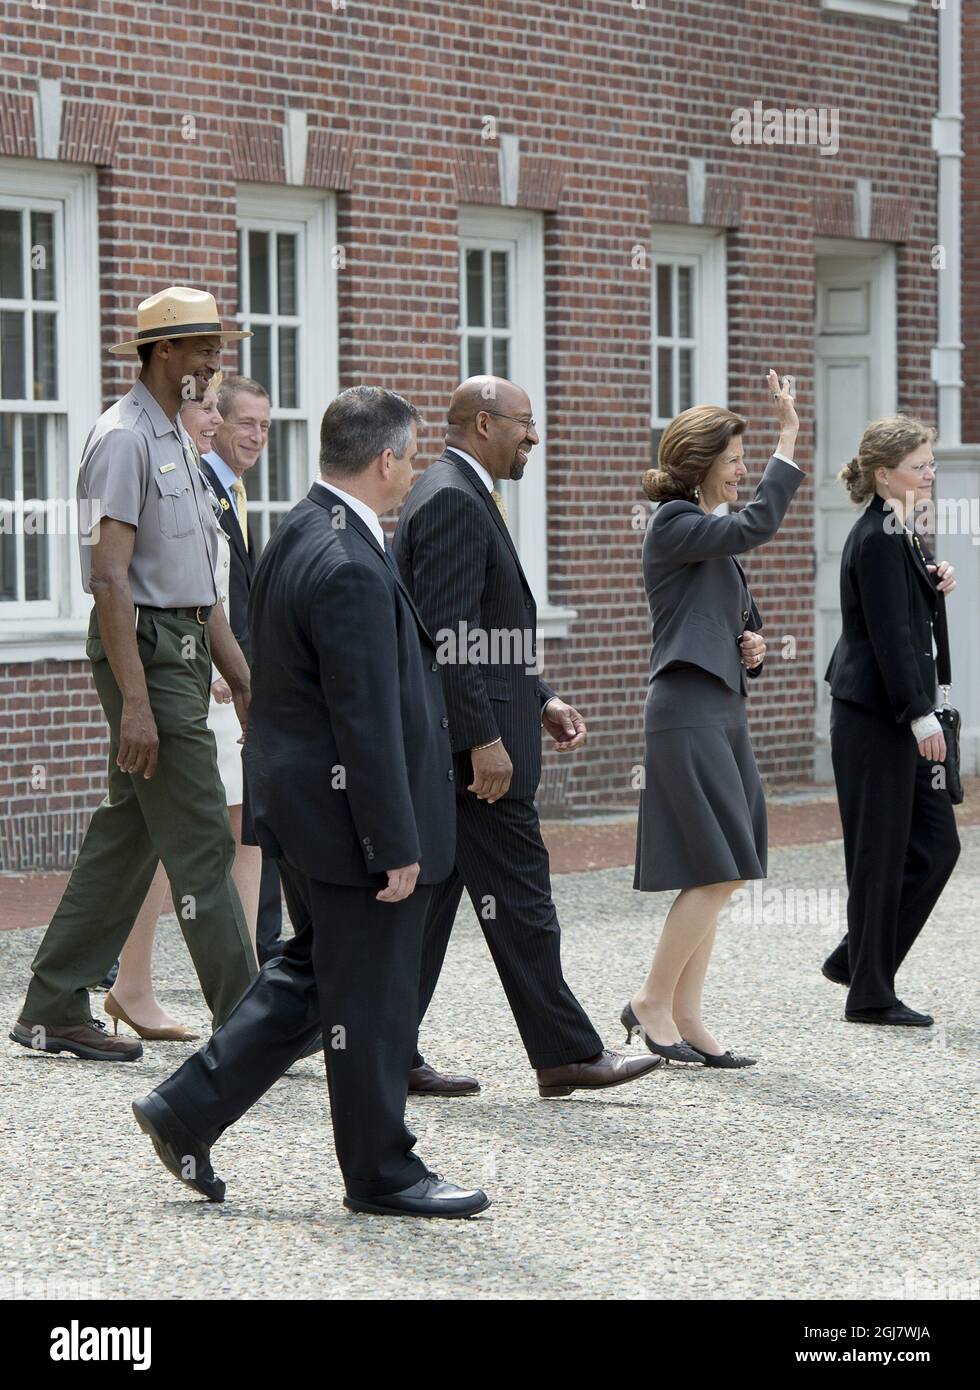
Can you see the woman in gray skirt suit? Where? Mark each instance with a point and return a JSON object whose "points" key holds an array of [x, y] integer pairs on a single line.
{"points": [[702, 825]]}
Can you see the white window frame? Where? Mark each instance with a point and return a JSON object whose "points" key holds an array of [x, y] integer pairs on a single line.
{"points": [[521, 233], [899, 11], [311, 213], [705, 251], [56, 628]]}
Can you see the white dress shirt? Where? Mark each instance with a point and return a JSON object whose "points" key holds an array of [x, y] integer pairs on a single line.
{"points": [[367, 514]]}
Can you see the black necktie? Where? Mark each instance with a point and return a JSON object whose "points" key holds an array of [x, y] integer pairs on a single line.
{"points": [[392, 562]]}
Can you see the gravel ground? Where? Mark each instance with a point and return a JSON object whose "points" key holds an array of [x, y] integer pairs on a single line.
{"points": [[843, 1165]]}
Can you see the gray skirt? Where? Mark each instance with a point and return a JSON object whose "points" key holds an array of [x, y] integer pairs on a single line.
{"points": [[702, 808]]}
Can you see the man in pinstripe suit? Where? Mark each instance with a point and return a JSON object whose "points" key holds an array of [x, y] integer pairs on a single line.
{"points": [[459, 562]]}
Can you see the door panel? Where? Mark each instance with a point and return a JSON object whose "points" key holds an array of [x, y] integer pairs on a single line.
{"points": [[855, 383]]}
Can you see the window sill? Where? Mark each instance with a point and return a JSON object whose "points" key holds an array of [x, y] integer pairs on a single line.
{"points": [[554, 621], [67, 642], [64, 643], [897, 10]]}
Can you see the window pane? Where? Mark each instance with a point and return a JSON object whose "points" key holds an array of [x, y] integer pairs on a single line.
{"points": [[34, 431], [498, 289], [474, 357], [286, 254], [12, 355], [684, 287], [261, 345], [685, 376], [501, 357], [665, 383], [287, 367], [8, 541], [8, 567], [664, 315], [280, 446], [45, 358], [33, 471], [475, 317], [258, 272], [42, 255], [11, 255], [7, 456], [655, 438]]}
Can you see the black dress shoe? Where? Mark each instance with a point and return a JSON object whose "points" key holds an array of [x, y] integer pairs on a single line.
{"points": [[180, 1152], [674, 1052], [896, 1015], [833, 977], [430, 1196], [726, 1060], [426, 1081]]}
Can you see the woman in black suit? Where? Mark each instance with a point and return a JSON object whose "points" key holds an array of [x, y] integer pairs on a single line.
{"points": [[900, 841], [702, 825]]}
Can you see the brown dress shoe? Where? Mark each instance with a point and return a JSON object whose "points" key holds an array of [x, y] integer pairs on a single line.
{"points": [[608, 1069], [426, 1081], [87, 1040]]}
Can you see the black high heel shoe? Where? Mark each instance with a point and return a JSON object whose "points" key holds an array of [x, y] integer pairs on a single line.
{"points": [[727, 1060], [674, 1052]]}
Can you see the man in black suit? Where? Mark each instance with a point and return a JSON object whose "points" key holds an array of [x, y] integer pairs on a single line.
{"points": [[238, 445], [351, 779], [457, 556]]}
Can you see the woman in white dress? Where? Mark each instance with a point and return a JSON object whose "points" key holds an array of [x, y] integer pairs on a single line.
{"points": [[131, 999]]}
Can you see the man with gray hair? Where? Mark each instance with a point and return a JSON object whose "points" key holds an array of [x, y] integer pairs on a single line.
{"points": [[351, 779], [238, 445]]}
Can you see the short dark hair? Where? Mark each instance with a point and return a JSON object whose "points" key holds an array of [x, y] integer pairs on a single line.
{"points": [[144, 351], [360, 424], [238, 386]]}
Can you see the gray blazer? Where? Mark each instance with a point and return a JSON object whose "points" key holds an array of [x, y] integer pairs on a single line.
{"points": [[699, 599]]}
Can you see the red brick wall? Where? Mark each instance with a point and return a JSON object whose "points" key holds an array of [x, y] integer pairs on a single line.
{"points": [[616, 97]]}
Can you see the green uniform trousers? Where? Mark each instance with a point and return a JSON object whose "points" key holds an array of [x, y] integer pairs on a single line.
{"points": [[179, 816]]}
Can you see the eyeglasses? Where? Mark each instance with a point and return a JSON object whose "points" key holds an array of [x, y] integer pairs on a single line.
{"points": [[529, 423]]}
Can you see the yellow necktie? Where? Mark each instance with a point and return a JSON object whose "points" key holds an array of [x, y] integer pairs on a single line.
{"points": [[500, 507], [241, 507]]}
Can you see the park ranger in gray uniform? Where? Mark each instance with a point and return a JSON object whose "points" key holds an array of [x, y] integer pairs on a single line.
{"points": [[148, 561]]}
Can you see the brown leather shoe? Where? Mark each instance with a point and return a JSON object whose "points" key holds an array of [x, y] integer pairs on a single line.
{"points": [[89, 1041], [608, 1069], [426, 1081]]}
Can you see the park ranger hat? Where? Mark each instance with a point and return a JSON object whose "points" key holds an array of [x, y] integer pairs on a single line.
{"points": [[177, 312]]}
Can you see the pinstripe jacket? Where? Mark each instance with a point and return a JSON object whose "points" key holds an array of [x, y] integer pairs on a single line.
{"points": [[459, 563]]}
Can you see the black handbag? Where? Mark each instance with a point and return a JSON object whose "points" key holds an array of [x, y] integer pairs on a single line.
{"points": [[948, 717]]}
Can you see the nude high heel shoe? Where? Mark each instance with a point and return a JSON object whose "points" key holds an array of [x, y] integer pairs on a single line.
{"points": [[178, 1033]]}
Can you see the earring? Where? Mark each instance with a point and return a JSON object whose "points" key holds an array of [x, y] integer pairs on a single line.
{"points": [[697, 494]]}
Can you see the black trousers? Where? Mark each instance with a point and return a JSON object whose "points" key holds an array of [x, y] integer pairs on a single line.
{"points": [[351, 971], [268, 927], [900, 846], [502, 862]]}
